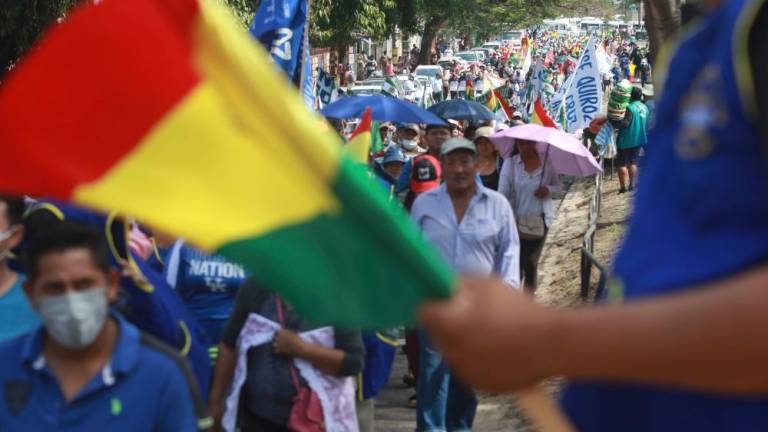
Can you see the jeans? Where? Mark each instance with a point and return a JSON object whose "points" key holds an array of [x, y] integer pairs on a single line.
{"points": [[530, 251], [443, 404]]}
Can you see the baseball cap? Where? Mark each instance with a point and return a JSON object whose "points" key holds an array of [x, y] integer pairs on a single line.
{"points": [[425, 174], [411, 126], [457, 143], [483, 132]]}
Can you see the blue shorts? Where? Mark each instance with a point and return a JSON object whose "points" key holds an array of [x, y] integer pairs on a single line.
{"points": [[627, 157]]}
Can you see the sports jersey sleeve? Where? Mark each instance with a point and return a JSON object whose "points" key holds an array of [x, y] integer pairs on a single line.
{"points": [[758, 53]]}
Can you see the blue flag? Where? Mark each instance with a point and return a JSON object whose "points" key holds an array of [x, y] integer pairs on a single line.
{"points": [[280, 25], [307, 87]]}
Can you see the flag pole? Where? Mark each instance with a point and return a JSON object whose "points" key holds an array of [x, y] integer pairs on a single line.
{"points": [[304, 52]]}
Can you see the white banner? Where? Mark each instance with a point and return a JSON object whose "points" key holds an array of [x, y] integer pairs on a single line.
{"points": [[604, 60], [583, 99]]}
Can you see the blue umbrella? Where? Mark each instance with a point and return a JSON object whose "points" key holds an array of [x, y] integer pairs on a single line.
{"points": [[383, 108], [460, 109]]}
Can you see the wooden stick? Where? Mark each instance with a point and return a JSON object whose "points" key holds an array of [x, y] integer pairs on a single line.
{"points": [[543, 411]]}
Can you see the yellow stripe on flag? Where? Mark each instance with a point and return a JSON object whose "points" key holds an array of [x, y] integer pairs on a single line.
{"points": [[359, 147], [180, 161]]}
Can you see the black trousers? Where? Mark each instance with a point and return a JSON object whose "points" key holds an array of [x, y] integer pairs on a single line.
{"points": [[530, 251]]}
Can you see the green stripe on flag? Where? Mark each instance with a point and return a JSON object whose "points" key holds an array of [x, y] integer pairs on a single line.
{"points": [[370, 246]]}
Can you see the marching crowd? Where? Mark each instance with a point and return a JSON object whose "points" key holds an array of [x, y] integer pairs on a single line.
{"points": [[92, 303], [109, 324]]}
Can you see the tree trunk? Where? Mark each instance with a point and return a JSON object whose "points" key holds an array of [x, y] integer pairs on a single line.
{"points": [[662, 20], [431, 28]]}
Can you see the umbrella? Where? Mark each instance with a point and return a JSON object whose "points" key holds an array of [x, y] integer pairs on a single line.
{"points": [[460, 109], [383, 108], [565, 153]]}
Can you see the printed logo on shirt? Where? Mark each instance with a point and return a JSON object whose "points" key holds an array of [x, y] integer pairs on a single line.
{"points": [[701, 112], [215, 269]]}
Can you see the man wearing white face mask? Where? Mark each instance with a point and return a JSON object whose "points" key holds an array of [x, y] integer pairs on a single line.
{"points": [[16, 316], [86, 368]]}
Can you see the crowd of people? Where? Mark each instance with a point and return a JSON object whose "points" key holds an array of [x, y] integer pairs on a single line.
{"points": [[109, 324], [82, 315]]}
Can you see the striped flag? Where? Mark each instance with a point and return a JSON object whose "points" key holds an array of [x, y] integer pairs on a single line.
{"points": [[188, 127], [364, 140], [540, 116]]}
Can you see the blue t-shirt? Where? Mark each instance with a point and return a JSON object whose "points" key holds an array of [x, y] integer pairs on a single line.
{"points": [[140, 389], [16, 314], [207, 284]]}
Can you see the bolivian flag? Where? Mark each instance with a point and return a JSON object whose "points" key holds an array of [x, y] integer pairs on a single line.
{"points": [[540, 116], [183, 123], [364, 140]]}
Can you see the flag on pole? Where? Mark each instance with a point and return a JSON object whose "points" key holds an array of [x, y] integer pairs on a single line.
{"points": [[325, 89], [364, 140], [469, 92], [494, 104], [207, 142], [390, 88], [504, 105], [280, 26], [540, 116]]}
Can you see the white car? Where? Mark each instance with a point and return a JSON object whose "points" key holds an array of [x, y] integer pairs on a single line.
{"points": [[494, 45], [433, 72], [364, 90], [427, 82], [469, 56]]}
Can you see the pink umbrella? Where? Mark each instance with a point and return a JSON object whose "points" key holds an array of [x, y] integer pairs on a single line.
{"points": [[563, 151]]}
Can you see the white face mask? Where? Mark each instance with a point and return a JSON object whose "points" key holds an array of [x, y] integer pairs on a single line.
{"points": [[74, 319], [408, 144]]}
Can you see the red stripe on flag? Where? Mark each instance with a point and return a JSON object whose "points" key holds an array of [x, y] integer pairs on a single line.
{"points": [[364, 126], [91, 90], [504, 105], [542, 114]]}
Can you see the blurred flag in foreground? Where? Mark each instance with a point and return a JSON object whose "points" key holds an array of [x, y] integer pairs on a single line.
{"points": [[185, 125]]}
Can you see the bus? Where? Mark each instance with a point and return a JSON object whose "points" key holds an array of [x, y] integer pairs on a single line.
{"points": [[590, 25]]}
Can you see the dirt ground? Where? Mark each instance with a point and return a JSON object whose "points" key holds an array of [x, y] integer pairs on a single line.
{"points": [[559, 286]]}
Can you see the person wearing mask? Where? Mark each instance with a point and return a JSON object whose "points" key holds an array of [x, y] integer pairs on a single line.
{"points": [[528, 183], [631, 138], [488, 160], [434, 137], [677, 347], [16, 315], [87, 368], [272, 381], [473, 228], [407, 137]]}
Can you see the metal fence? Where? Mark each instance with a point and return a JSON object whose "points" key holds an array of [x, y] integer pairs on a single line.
{"points": [[588, 243]]}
